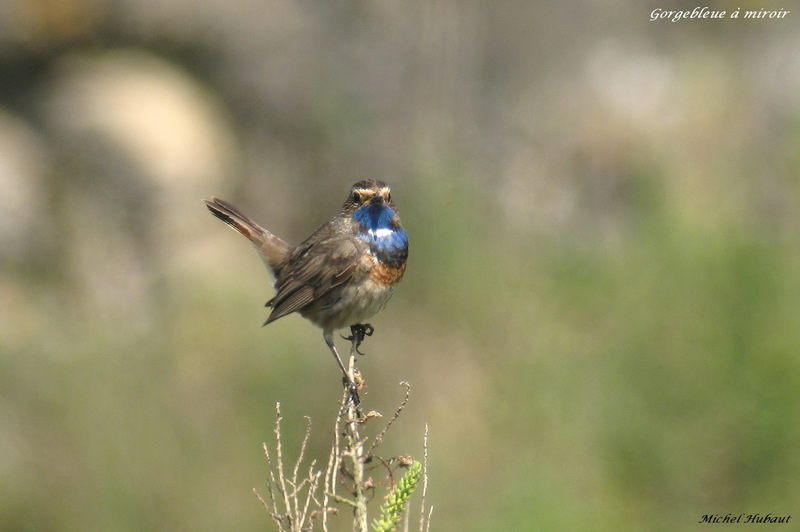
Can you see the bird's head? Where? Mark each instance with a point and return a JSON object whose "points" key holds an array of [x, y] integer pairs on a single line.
{"points": [[370, 206]]}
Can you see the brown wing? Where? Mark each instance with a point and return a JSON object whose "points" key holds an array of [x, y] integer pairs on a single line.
{"points": [[314, 269]]}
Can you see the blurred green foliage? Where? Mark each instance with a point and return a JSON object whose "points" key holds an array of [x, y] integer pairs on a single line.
{"points": [[599, 318]]}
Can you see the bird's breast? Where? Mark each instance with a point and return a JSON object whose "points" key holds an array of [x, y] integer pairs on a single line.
{"points": [[388, 246], [384, 274]]}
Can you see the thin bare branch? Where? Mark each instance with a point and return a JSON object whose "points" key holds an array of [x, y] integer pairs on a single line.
{"points": [[350, 468], [279, 452], [379, 438], [422, 523], [355, 447]]}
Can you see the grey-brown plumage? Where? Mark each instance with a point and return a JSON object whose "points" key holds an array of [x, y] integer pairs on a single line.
{"points": [[342, 274], [273, 250]]}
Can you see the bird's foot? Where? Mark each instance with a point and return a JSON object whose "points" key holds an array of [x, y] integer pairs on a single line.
{"points": [[358, 332]]}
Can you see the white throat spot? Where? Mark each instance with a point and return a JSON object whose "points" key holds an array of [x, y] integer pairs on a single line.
{"points": [[380, 233]]}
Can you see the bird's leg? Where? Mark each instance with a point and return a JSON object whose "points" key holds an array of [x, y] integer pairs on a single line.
{"points": [[349, 381], [358, 332]]}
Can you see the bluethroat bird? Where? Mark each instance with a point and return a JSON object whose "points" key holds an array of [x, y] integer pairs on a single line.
{"points": [[342, 274]]}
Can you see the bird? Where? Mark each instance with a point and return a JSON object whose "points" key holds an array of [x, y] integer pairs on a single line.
{"points": [[341, 275]]}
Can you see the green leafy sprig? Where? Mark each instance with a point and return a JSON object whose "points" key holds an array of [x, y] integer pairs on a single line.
{"points": [[392, 510]]}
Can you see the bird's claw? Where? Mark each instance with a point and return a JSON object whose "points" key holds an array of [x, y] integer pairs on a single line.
{"points": [[358, 332]]}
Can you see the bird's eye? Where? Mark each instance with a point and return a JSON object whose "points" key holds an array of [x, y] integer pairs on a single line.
{"points": [[389, 197], [356, 197]]}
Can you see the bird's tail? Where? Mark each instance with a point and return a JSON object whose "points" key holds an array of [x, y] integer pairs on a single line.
{"points": [[273, 250]]}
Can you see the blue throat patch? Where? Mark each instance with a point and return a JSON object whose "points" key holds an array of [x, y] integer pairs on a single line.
{"points": [[386, 238]]}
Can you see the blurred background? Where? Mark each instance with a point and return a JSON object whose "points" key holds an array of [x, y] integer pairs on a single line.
{"points": [[600, 315]]}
